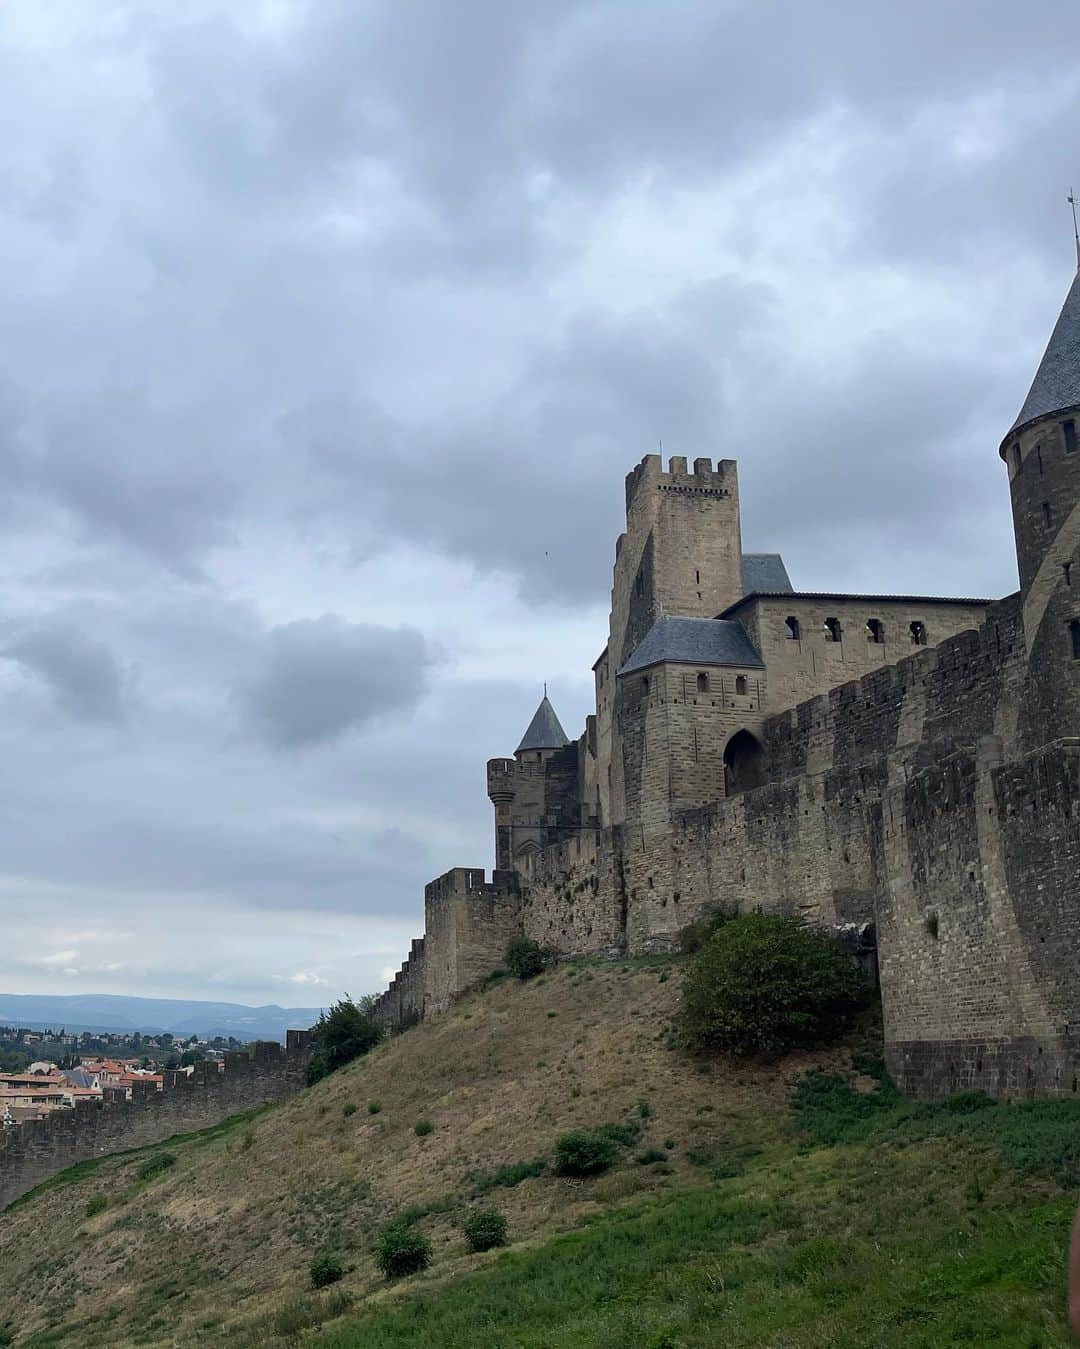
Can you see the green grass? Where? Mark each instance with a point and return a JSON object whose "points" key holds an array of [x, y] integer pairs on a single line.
{"points": [[705, 1268], [896, 1225]]}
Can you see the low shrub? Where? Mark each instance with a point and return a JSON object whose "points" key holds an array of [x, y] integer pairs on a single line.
{"points": [[694, 936], [402, 1250], [766, 984], [525, 957], [348, 1109], [373, 1107], [325, 1270], [650, 1156], [506, 1177], [98, 1204], [484, 1228], [154, 1166], [585, 1152], [423, 1127], [308, 1313]]}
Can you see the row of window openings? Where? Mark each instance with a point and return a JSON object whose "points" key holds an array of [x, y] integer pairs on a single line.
{"points": [[1068, 430], [875, 630], [741, 686], [639, 583]]}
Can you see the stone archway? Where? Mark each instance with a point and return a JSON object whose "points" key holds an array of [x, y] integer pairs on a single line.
{"points": [[744, 763]]}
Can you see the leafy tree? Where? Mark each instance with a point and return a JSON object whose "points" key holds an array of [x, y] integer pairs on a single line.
{"points": [[765, 984], [341, 1035], [585, 1152], [190, 1056]]}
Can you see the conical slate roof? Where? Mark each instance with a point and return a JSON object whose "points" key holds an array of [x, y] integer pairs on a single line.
{"points": [[544, 730], [1056, 386]]}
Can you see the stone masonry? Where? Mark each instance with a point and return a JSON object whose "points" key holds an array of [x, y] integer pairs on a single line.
{"points": [[900, 769], [31, 1152]]}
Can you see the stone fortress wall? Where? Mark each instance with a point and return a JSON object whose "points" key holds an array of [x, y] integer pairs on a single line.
{"points": [[32, 1152], [904, 770]]}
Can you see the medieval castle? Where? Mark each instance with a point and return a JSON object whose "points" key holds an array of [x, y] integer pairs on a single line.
{"points": [[905, 769]]}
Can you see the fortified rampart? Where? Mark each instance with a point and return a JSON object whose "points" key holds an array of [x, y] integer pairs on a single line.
{"points": [[32, 1152]]}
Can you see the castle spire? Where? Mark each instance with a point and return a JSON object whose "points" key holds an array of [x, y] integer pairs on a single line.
{"points": [[1056, 386], [545, 731]]}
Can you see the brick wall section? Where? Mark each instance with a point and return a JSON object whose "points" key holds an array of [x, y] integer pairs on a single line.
{"points": [[32, 1152]]}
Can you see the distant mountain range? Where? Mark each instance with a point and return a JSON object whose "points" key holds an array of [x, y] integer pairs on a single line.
{"points": [[151, 1016]]}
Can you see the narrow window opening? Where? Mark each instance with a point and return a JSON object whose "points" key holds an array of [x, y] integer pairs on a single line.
{"points": [[1048, 515], [875, 631], [1066, 567], [703, 683], [740, 684], [918, 633], [792, 625], [697, 578], [1069, 428], [1038, 456], [1074, 638], [645, 686], [639, 584], [1014, 457], [832, 629]]}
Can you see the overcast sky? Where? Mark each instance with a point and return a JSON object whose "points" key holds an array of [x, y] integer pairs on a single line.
{"points": [[328, 331]]}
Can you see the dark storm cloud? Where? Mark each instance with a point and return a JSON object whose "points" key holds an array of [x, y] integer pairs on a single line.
{"points": [[323, 677], [84, 677], [366, 309]]}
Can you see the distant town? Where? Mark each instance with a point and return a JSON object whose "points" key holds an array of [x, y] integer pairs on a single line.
{"points": [[46, 1070]]}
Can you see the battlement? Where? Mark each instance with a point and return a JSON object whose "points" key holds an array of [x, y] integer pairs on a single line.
{"points": [[703, 481], [37, 1149]]}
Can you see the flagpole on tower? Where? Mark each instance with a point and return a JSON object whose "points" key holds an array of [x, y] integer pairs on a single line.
{"points": [[1076, 231]]}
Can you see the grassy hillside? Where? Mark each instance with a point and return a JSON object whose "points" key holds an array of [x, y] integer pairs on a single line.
{"points": [[734, 1217]]}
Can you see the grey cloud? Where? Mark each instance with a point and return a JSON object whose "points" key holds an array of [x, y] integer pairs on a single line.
{"points": [[82, 673], [323, 677]]}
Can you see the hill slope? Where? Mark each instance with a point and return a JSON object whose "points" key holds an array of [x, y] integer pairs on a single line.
{"points": [[730, 1234]]}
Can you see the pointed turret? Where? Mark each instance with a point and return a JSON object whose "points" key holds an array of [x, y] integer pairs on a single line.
{"points": [[544, 731], [1056, 386]]}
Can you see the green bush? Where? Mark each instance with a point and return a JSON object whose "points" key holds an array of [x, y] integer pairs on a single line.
{"points": [[344, 1033], [373, 1107], [98, 1204], [765, 984], [506, 1177], [325, 1270], [423, 1127], [585, 1152], [525, 957], [401, 1250], [649, 1156], [694, 936], [349, 1108], [484, 1228], [154, 1166]]}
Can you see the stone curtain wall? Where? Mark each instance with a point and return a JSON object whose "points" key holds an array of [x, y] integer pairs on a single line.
{"points": [[32, 1152], [912, 798]]}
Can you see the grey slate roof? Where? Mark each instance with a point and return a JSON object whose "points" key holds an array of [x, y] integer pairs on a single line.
{"points": [[764, 571], [694, 641], [544, 730], [1056, 385]]}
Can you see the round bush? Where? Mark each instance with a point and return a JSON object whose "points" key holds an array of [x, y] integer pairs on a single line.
{"points": [[325, 1270], [525, 958], [765, 984], [484, 1228], [401, 1251], [349, 1108], [584, 1152], [423, 1127]]}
